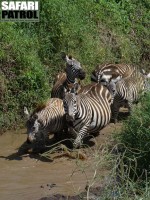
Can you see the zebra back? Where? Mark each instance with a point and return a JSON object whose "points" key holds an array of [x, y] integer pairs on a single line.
{"points": [[96, 91], [106, 72], [127, 92]]}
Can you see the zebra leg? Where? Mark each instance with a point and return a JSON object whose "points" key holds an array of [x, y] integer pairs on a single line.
{"points": [[78, 141], [115, 111], [46, 138], [130, 106], [39, 144], [130, 100]]}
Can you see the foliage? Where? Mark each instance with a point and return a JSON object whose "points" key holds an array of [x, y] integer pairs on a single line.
{"points": [[93, 31], [135, 137]]}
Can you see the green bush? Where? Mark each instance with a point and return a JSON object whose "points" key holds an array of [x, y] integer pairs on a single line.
{"points": [[93, 31], [135, 137]]}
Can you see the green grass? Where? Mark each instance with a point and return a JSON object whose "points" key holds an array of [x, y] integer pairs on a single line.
{"points": [[135, 137], [92, 31]]}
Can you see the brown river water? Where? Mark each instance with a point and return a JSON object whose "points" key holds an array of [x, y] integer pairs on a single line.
{"points": [[28, 177]]}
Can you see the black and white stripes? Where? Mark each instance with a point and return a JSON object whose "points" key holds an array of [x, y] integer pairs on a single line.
{"points": [[45, 119], [73, 72], [87, 112], [126, 92]]}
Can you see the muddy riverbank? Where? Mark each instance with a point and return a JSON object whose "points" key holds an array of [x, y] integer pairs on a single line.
{"points": [[28, 176]]}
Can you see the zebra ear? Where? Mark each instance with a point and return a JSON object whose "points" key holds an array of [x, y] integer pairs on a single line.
{"points": [[35, 116], [70, 57], [63, 55], [148, 75], [143, 72], [115, 80], [26, 112]]}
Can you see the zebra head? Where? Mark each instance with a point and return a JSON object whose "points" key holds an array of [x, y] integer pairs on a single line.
{"points": [[33, 126], [33, 129], [72, 87], [70, 102], [107, 77], [100, 77], [147, 79], [111, 86], [73, 69]]}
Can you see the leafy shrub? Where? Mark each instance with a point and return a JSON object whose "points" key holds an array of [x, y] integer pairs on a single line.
{"points": [[93, 31], [135, 136]]}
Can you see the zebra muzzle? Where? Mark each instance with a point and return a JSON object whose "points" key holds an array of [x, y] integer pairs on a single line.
{"points": [[70, 119], [82, 75], [30, 139]]}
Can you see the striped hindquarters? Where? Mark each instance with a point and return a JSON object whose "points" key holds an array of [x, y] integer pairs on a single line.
{"points": [[128, 91]]}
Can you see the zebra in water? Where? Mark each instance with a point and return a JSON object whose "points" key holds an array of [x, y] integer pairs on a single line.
{"points": [[106, 72], [45, 119], [126, 92], [87, 112], [73, 72]]}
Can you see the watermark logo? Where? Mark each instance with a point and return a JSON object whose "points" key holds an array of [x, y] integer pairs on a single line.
{"points": [[20, 11]]}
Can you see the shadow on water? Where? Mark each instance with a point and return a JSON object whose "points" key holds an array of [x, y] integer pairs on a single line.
{"points": [[28, 150], [24, 151]]}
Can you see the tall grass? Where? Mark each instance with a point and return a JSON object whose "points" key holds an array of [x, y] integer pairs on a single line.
{"points": [[92, 31], [135, 137]]}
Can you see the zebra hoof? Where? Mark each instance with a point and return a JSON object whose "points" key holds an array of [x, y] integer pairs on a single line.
{"points": [[114, 121]]}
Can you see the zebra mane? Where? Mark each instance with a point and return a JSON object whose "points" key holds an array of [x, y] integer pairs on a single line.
{"points": [[39, 107]]}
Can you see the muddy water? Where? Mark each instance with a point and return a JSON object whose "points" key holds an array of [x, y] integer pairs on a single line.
{"points": [[26, 176]]}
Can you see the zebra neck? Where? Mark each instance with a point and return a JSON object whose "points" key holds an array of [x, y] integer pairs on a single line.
{"points": [[78, 115], [70, 80]]}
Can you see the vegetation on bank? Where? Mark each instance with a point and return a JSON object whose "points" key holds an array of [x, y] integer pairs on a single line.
{"points": [[93, 31], [130, 174], [135, 137]]}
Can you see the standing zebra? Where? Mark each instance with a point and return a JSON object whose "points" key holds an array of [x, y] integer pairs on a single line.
{"points": [[47, 118], [87, 112], [106, 72], [127, 92], [58, 86], [73, 70]]}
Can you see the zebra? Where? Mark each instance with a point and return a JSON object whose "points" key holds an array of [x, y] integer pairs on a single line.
{"points": [[45, 119], [73, 72], [126, 92], [147, 79], [106, 72], [58, 85], [87, 112]]}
